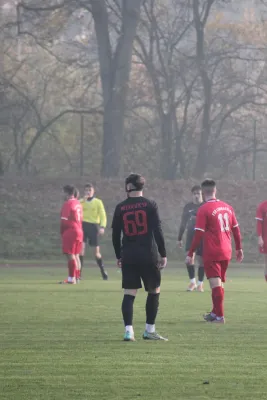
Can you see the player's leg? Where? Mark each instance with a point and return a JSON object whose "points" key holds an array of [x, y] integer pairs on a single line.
{"points": [[93, 237], [78, 250], [127, 313], [72, 268], [82, 254], [130, 283], [69, 248], [99, 261], [265, 266], [190, 268], [151, 277], [71, 261], [200, 265], [216, 273], [191, 273], [263, 250], [85, 240]]}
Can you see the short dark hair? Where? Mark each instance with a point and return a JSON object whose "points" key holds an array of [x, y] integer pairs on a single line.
{"points": [[208, 184], [89, 186], [69, 190], [136, 180], [196, 188]]}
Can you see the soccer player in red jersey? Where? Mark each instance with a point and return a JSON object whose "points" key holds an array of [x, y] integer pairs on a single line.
{"points": [[261, 217], [71, 231], [215, 222]]}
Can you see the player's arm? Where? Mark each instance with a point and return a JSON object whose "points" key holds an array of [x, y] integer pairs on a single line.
{"points": [[65, 222], [184, 220], [116, 232], [157, 230], [102, 214], [200, 228], [236, 233], [237, 238], [259, 219]]}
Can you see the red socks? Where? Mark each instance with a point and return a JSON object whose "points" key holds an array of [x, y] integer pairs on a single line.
{"points": [[213, 302], [72, 268], [218, 301]]}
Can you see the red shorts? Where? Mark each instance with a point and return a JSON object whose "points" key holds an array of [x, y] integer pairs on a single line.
{"points": [[216, 269], [71, 242]]}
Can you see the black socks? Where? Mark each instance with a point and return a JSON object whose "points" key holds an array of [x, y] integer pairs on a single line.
{"points": [[191, 271], [127, 309], [152, 305], [201, 274]]}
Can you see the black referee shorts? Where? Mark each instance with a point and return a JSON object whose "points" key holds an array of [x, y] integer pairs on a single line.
{"points": [[90, 234], [133, 274]]}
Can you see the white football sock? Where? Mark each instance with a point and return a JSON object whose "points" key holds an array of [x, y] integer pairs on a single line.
{"points": [[193, 280], [200, 282], [129, 328], [150, 328]]}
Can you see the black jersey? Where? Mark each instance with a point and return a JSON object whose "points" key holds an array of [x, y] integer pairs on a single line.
{"points": [[137, 219], [188, 219]]}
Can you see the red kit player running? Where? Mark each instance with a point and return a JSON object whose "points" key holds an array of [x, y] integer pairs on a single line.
{"points": [[71, 232], [215, 222], [261, 217]]}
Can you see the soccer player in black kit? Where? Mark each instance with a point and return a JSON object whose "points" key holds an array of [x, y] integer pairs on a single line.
{"points": [[138, 220], [188, 223]]}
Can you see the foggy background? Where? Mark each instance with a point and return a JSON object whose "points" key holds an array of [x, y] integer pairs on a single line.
{"points": [[171, 88]]}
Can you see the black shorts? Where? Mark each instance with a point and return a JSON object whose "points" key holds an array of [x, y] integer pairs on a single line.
{"points": [[134, 274], [188, 242], [90, 234]]}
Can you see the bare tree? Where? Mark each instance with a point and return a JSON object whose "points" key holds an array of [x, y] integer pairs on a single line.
{"points": [[201, 13], [114, 61], [163, 34]]}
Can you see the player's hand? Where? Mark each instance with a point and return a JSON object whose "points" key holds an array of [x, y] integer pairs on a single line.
{"points": [[189, 260], [239, 255], [162, 263], [180, 243], [119, 263], [101, 231], [260, 241]]}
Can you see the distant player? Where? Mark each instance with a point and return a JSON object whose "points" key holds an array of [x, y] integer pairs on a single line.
{"points": [[94, 224], [71, 232], [188, 223], [142, 239], [215, 222], [261, 217]]}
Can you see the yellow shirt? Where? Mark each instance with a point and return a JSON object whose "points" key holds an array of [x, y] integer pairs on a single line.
{"points": [[94, 212]]}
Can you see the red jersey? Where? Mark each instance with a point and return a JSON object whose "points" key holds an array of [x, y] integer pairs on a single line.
{"points": [[71, 215], [261, 217], [216, 219]]}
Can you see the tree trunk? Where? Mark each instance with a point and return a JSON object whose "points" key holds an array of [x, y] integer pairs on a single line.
{"points": [[82, 146], [2, 168], [115, 75], [166, 160], [179, 154], [202, 156]]}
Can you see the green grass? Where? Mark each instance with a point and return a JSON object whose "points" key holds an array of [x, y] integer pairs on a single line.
{"points": [[64, 342]]}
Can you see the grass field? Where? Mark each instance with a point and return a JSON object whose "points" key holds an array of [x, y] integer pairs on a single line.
{"points": [[65, 342]]}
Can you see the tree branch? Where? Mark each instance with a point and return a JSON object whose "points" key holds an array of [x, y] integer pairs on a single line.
{"points": [[50, 123]]}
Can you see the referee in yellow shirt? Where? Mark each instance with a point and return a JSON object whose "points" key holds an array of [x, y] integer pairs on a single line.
{"points": [[94, 224]]}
